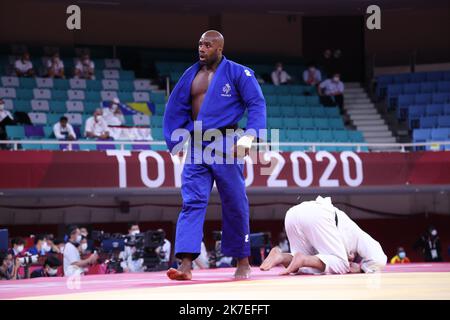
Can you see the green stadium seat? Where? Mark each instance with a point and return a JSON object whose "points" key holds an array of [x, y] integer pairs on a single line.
{"points": [[355, 136], [92, 96], [156, 121], [57, 106], [326, 136], [290, 123], [293, 135], [15, 132], [125, 96], [61, 84], [340, 136], [304, 112], [321, 123], [24, 94], [289, 111], [90, 106], [271, 100], [126, 75], [59, 95], [285, 100], [298, 100], [318, 112], [332, 112], [22, 105], [275, 122], [268, 89], [48, 131], [312, 101], [273, 111], [306, 123], [310, 135], [158, 97], [125, 85], [31, 146], [51, 147], [94, 85], [336, 123], [157, 134], [53, 118], [27, 83]]}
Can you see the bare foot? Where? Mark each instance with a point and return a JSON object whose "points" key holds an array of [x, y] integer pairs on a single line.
{"points": [[242, 270], [183, 272], [274, 258]]}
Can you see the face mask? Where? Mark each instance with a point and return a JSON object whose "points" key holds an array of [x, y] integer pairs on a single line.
{"points": [[135, 232], [336, 79], [61, 249], [433, 233], [279, 69], [84, 234], [78, 239], [98, 118], [84, 246], [20, 248], [401, 255], [312, 69], [52, 272], [2, 107]]}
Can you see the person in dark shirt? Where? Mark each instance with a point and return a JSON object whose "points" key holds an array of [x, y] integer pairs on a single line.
{"points": [[50, 268], [430, 245]]}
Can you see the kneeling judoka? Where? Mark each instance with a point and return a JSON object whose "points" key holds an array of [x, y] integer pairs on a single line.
{"points": [[323, 239], [216, 93]]}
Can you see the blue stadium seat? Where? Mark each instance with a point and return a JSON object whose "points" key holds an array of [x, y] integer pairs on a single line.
{"points": [[57, 106], [290, 123], [417, 77], [401, 78], [440, 134], [332, 112], [444, 122], [273, 111], [411, 88], [285, 100], [443, 86], [355, 136], [434, 109], [31, 146], [421, 135], [318, 112], [340, 136], [423, 98], [428, 122], [293, 135], [15, 132], [304, 112], [288, 111], [325, 135], [427, 87], [336, 123], [310, 135], [440, 98], [435, 76], [446, 109], [414, 114], [298, 100], [321, 123]]}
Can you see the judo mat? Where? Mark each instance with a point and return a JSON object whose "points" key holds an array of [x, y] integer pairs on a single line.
{"points": [[407, 281]]}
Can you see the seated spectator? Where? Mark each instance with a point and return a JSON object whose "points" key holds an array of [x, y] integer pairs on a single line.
{"points": [[400, 257], [24, 66], [63, 130], [50, 268], [85, 235], [18, 245], [164, 250], [41, 246], [8, 266], [96, 127], [312, 76], [84, 69], [6, 119], [331, 91], [55, 67], [112, 114], [73, 265], [279, 76], [129, 262]]}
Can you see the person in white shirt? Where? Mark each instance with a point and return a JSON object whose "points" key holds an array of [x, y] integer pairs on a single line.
{"points": [[202, 261], [6, 119], [4, 113], [112, 114], [279, 76], [164, 251], [129, 263], [324, 239], [73, 264], [96, 127], [24, 66], [84, 68], [331, 91], [55, 67], [64, 130]]}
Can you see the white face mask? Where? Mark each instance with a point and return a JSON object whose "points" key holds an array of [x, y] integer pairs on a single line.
{"points": [[135, 232], [84, 247], [52, 272], [98, 118], [336, 79], [2, 107], [46, 247], [434, 233], [78, 239], [20, 248], [61, 249]]}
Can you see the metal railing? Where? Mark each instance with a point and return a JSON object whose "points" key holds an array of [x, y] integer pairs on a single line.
{"points": [[313, 146]]}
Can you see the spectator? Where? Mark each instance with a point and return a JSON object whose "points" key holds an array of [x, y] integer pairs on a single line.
{"points": [[283, 242], [96, 127], [41, 246], [63, 130], [312, 76], [6, 119], [164, 251], [85, 234], [84, 68], [331, 92], [59, 246], [327, 62], [24, 66], [8, 266], [84, 246], [55, 67], [113, 115], [50, 268], [400, 257], [73, 265], [279, 76], [430, 245], [202, 261], [18, 245], [129, 262]]}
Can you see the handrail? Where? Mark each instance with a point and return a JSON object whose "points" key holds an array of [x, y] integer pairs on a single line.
{"points": [[312, 145]]}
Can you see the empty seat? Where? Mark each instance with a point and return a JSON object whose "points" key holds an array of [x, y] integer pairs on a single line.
{"points": [[141, 84], [293, 135], [290, 123], [9, 93], [288, 111], [423, 98], [411, 88], [275, 122], [443, 86], [325, 135], [125, 85], [304, 112], [427, 87], [74, 106], [306, 123], [44, 83], [74, 118], [77, 83], [42, 94], [34, 131], [428, 122], [158, 97], [112, 63], [318, 112], [109, 84], [414, 114], [336, 123], [38, 118], [434, 109], [434, 76], [10, 81], [332, 112], [111, 74], [355, 136], [418, 77], [298, 100], [321, 123], [285, 100], [444, 122], [340, 135], [141, 120], [141, 96], [446, 109], [40, 105], [274, 111], [421, 135], [439, 98], [108, 95], [440, 134], [94, 85], [92, 95], [271, 100], [309, 135], [57, 106], [15, 132]]}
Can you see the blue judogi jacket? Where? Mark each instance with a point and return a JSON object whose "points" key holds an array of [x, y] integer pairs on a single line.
{"points": [[233, 90]]}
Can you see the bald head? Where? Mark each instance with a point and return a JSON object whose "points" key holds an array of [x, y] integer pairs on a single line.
{"points": [[210, 47]]}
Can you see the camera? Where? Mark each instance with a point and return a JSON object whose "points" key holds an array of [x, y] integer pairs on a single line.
{"points": [[27, 260]]}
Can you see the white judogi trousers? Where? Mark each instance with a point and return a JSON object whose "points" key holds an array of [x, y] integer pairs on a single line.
{"points": [[311, 229]]}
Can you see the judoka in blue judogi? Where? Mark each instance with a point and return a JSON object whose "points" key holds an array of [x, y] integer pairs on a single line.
{"points": [[232, 91]]}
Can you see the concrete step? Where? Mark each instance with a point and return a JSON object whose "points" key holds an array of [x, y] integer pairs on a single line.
{"points": [[380, 139], [352, 112], [358, 105], [377, 134], [373, 128], [378, 149], [356, 95], [376, 122], [354, 90], [352, 85], [365, 116], [356, 100]]}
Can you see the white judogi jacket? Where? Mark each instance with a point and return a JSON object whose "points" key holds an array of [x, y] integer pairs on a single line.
{"points": [[311, 229]]}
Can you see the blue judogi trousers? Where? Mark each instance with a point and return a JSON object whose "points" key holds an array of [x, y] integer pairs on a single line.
{"points": [[197, 182]]}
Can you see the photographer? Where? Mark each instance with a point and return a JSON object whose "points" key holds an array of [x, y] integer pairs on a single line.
{"points": [[18, 245], [72, 261], [8, 269], [41, 246], [129, 263], [50, 268]]}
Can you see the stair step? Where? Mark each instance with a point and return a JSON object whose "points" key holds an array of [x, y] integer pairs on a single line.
{"points": [[381, 140], [351, 95], [358, 105], [377, 134], [356, 100], [373, 128], [362, 111], [366, 116], [375, 122], [352, 85], [385, 148]]}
